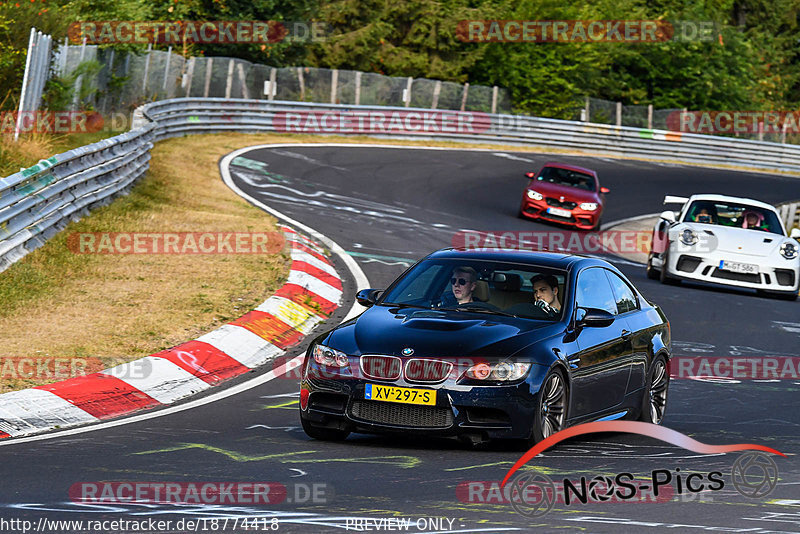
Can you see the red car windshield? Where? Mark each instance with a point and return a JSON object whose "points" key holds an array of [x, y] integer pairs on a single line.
{"points": [[567, 177]]}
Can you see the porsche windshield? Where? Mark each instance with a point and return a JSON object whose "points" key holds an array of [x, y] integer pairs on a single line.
{"points": [[482, 286], [733, 215], [556, 175]]}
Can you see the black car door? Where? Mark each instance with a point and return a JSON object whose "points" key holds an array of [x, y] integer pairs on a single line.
{"points": [[601, 368]]}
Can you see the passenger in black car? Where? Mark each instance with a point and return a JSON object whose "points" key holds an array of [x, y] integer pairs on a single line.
{"points": [[545, 297]]}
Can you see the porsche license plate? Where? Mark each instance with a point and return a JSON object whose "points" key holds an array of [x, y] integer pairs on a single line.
{"points": [[377, 392], [559, 212], [736, 267]]}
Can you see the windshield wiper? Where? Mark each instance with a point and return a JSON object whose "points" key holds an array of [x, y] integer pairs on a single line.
{"points": [[481, 309], [395, 305]]}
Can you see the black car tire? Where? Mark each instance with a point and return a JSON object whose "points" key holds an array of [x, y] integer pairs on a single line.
{"points": [[323, 434], [654, 398], [652, 273], [551, 410]]}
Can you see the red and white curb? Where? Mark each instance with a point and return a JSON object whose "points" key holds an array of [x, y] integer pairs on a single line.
{"points": [[312, 292]]}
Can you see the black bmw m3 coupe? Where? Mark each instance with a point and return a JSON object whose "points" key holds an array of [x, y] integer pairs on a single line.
{"points": [[490, 345]]}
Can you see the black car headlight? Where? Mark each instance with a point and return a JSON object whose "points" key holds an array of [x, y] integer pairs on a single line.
{"points": [[789, 250], [497, 372], [330, 357]]}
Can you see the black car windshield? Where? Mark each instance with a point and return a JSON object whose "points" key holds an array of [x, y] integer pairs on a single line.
{"points": [[567, 177], [733, 215], [481, 286]]}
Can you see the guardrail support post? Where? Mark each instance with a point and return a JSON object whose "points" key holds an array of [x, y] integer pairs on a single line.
{"points": [[209, 66], [619, 114], [494, 100], [586, 110], [243, 80], [436, 90], [464, 97], [783, 133], [358, 87], [334, 83], [229, 82], [650, 116]]}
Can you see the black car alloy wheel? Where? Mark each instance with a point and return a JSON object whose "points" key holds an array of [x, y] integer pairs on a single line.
{"points": [[552, 406], [655, 398]]}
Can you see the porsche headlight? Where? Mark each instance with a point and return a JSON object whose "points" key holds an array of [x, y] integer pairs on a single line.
{"points": [[789, 250], [533, 195], [589, 206], [330, 357], [498, 372], [688, 237]]}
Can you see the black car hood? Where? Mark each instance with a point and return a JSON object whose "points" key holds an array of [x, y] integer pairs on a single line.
{"points": [[440, 333]]}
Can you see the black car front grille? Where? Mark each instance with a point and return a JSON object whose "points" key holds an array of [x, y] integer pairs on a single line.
{"points": [[739, 277], [390, 413], [688, 264], [558, 204]]}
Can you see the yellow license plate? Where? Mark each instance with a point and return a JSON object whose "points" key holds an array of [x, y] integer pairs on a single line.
{"points": [[377, 392]]}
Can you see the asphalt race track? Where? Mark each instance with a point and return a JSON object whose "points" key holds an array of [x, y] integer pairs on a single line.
{"points": [[388, 207]]}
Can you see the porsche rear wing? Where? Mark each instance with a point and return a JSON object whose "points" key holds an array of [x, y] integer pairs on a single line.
{"points": [[669, 199]]}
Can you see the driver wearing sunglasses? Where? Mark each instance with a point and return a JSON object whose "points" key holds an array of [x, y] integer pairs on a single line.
{"points": [[463, 284]]}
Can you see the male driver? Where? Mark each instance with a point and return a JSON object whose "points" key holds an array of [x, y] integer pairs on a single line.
{"points": [[545, 293], [463, 282]]}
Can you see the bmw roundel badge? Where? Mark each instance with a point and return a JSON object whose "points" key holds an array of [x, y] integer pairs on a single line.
{"points": [[408, 351]]}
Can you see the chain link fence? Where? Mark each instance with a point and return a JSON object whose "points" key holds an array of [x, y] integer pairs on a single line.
{"points": [[127, 80]]}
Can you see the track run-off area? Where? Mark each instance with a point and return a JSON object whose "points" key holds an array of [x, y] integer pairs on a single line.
{"points": [[386, 207]]}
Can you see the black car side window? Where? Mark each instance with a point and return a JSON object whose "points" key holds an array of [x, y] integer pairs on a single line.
{"points": [[625, 297], [594, 291]]}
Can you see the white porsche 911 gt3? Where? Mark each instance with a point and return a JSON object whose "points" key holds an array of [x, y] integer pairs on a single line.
{"points": [[725, 240]]}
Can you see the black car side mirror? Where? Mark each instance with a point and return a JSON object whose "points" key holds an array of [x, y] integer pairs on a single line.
{"points": [[593, 317], [367, 297]]}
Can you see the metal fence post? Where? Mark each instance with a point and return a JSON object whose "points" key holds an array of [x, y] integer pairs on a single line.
{"points": [[209, 67], [619, 114], [494, 100], [242, 79], [190, 75], [146, 68], [25, 82], [273, 83], [229, 82], [166, 68], [302, 83], [586, 109], [464, 97], [79, 80], [358, 87], [334, 83], [783, 133], [436, 90], [649, 116], [63, 59], [407, 92]]}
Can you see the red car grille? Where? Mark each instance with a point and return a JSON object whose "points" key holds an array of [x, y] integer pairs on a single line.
{"points": [[381, 367], [420, 370]]}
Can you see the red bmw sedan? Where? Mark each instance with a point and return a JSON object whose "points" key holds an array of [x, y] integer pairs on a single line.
{"points": [[564, 194]]}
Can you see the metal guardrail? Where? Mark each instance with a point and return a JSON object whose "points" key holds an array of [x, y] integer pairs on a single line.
{"points": [[37, 202]]}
